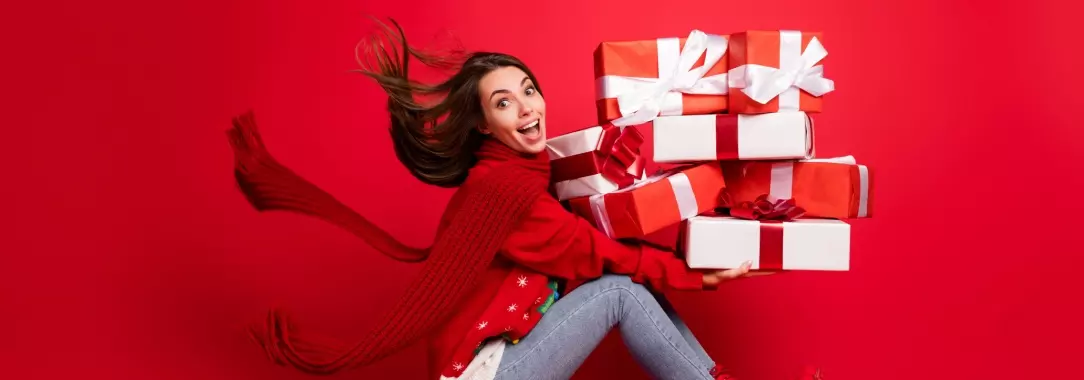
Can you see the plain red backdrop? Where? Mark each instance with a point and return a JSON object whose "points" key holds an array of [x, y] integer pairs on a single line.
{"points": [[135, 257]]}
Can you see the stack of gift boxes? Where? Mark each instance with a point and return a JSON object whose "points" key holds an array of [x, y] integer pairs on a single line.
{"points": [[732, 124]]}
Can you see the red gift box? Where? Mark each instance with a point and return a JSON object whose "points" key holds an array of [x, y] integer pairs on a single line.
{"points": [[661, 201], [836, 188], [778, 70], [635, 81]]}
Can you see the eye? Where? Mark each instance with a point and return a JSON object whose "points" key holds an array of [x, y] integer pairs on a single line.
{"points": [[530, 90], [503, 103]]}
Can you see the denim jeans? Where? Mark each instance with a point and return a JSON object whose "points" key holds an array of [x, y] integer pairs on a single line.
{"points": [[572, 328]]}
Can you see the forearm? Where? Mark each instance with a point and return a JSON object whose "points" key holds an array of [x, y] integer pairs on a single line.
{"points": [[567, 246]]}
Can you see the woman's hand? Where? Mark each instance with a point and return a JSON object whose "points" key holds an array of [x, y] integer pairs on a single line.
{"points": [[716, 278]]}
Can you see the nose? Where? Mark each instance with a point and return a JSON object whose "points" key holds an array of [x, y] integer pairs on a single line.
{"points": [[526, 110]]}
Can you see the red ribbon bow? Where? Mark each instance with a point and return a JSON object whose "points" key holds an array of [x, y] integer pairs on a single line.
{"points": [[623, 164], [762, 209], [771, 216]]}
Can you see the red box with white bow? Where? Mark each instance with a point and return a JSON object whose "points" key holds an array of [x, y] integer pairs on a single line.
{"points": [[636, 81], [771, 71]]}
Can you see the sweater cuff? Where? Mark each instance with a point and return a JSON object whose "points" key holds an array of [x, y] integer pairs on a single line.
{"points": [[706, 286], [695, 281], [666, 270]]}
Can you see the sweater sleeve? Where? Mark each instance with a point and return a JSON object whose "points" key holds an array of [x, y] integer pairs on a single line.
{"points": [[556, 242]]}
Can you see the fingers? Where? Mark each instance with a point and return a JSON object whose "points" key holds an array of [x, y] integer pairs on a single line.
{"points": [[745, 270], [754, 274], [734, 273]]}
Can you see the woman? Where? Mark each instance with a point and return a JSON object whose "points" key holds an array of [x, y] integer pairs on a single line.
{"points": [[497, 296]]}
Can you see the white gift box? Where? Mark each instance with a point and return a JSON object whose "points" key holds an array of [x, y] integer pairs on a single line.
{"points": [[722, 242], [769, 136]]}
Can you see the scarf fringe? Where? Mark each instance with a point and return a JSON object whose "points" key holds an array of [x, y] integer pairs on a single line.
{"points": [[270, 186], [284, 345]]}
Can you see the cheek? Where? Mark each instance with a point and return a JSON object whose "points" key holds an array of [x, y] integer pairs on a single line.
{"points": [[500, 122]]}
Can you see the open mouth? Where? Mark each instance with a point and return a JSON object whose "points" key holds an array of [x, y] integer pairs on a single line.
{"points": [[529, 130]]}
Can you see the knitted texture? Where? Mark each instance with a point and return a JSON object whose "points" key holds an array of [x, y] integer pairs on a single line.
{"points": [[480, 216]]}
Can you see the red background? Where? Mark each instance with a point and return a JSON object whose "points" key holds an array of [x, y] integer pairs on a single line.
{"points": [[135, 257]]}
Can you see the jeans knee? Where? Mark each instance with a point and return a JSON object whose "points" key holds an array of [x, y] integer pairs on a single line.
{"points": [[615, 280], [622, 282]]}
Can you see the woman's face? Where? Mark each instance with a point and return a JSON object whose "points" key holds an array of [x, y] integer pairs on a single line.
{"points": [[515, 112]]}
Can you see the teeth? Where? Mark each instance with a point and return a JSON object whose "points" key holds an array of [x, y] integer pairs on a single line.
{"points": [[529, 126]]}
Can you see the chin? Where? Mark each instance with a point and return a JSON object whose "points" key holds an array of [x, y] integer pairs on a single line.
{"points": [[535, 148]]}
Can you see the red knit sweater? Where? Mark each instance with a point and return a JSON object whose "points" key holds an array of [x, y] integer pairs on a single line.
{"points": [[500, 239], [549, 243]]}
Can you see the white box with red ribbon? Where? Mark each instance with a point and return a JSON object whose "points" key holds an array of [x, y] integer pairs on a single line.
{"points": [[596, 160], [770, 234], [770, 136], [723, 242]]}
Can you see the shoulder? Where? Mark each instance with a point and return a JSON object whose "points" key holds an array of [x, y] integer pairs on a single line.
{"points": [[504, 180], [501, 193]]}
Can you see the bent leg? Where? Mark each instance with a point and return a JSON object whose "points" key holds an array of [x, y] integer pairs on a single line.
{"points": [[575, 325], [684, 329]]}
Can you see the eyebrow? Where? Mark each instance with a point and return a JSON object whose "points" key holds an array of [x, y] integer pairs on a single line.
{"points": [[521, 82]]}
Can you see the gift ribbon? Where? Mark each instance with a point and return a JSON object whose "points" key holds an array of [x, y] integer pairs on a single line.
{"points": [[771, 245], [727, 132], [616, 157], [771, 215], [782, 180], [643, 99], [624, 163], [797, 70], [602, 218], [863, 191], [726, 137], [683, 193], [763, 209]]}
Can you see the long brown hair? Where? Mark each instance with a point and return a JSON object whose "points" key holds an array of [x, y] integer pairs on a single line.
{"points": [[436, 142]]}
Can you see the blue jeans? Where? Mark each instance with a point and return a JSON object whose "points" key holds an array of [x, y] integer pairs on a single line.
{"points": [[578, 322]]}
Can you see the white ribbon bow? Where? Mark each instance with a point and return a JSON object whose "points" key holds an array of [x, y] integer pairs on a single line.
{"points": [[762, 83], [643, 99]]}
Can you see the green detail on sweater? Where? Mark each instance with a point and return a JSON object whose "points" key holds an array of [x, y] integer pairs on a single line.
{"points": [[545, 306]]}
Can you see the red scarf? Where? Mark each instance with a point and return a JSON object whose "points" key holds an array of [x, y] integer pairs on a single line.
{"points": [[482, 212]]}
